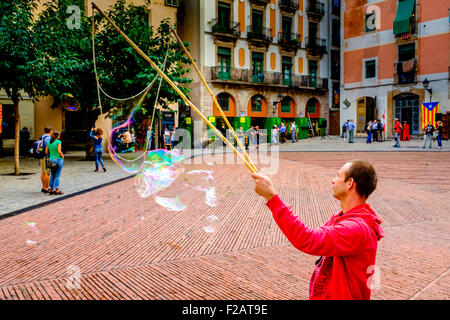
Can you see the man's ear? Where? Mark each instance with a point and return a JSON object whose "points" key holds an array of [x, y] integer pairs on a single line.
{"points": [[350, 183]]}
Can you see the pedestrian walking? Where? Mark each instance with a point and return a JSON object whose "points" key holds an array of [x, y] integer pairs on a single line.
{"points": [[240, 134], [369, 132], [405, 132], [439, 134], [344, 130], [397, 132], [55, 163], [351, 129], [97, 135], [429, 129], [274, 135], [348, 241], [293, 132], [43, 158], [282, 133]]}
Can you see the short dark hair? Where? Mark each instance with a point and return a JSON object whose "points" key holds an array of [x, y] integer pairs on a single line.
{"points": [[47, 129], [364, 175]]}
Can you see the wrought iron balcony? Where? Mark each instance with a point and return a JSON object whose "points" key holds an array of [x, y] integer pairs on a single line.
{"points": [[289, 40], [262, 36], [260, 2], [316, 46], [306, 81], [241, 77], [315, 10], [225, 30], [288, 5]]}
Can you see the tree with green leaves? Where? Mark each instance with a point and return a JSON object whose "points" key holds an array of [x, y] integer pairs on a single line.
{"points": [[17, 57], [122, 72]]}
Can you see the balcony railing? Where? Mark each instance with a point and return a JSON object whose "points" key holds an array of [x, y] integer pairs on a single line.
{"points": [[260, 2], [315, 10], [262, 36], [289, 5], [290, 40], [316, 46], [230, 29], [245, 76], [408, 75]]}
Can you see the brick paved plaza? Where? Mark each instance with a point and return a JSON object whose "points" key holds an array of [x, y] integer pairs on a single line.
{"points": [[127, 247]]}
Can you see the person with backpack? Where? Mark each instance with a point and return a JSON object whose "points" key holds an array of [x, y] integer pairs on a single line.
{"points": [[55, 162], [39, 148], [96, 135]]}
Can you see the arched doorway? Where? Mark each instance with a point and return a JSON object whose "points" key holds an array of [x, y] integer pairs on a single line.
{"points": [[365, 111], [257, 110], [312, 112], [406, 108], [286, 109]]}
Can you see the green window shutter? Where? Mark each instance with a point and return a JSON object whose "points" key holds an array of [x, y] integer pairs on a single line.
{"points": [[286, 105], [311, 106], [257, 56], [224, 51], [404, 10]]}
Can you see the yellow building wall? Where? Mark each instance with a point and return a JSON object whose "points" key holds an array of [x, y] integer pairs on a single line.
{"points": [[46, 116]]}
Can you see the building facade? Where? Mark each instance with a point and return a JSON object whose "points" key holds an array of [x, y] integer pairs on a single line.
{"points": [[266, 61], [392, 50]]}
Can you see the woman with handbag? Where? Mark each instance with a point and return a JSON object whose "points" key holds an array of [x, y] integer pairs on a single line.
{"points": [[55, 162]]}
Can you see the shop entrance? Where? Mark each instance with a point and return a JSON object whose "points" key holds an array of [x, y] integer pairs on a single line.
{"points": [[407, 109]]}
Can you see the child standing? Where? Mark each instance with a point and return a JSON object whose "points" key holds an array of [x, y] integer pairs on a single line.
{"points": [[96, 134]]}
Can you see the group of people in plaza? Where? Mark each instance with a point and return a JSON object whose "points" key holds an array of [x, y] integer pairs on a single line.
{"points": [[429, 132], [374, 131], [254, 134]]}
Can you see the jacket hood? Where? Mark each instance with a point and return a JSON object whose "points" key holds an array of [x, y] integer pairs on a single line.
{"points": [[365, 212]]}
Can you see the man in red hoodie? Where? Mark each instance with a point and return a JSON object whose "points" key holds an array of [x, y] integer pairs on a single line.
{"points": [[347, 243]]}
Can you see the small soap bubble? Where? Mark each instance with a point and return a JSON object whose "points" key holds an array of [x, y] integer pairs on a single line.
{"points": [[211, 223]]}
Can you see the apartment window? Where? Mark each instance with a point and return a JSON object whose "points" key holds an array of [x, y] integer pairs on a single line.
{"points": [[224, 101], [370, 67], [287, 28], [312, 67], [173, 3], [406, 52], [286, 64], [257, 21], [224, 14], [257, 67], [224, 57]]}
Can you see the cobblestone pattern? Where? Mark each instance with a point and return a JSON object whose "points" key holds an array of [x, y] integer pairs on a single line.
{"points": [[127, 247]]}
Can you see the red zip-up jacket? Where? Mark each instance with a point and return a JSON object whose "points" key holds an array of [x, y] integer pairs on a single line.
{"points": [[348, 246]]}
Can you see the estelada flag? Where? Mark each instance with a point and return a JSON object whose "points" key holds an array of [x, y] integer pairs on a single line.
{"points": [[429, 110]]}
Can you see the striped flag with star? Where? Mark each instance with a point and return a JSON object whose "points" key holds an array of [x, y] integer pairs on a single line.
{"points": [[429, 110]]}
